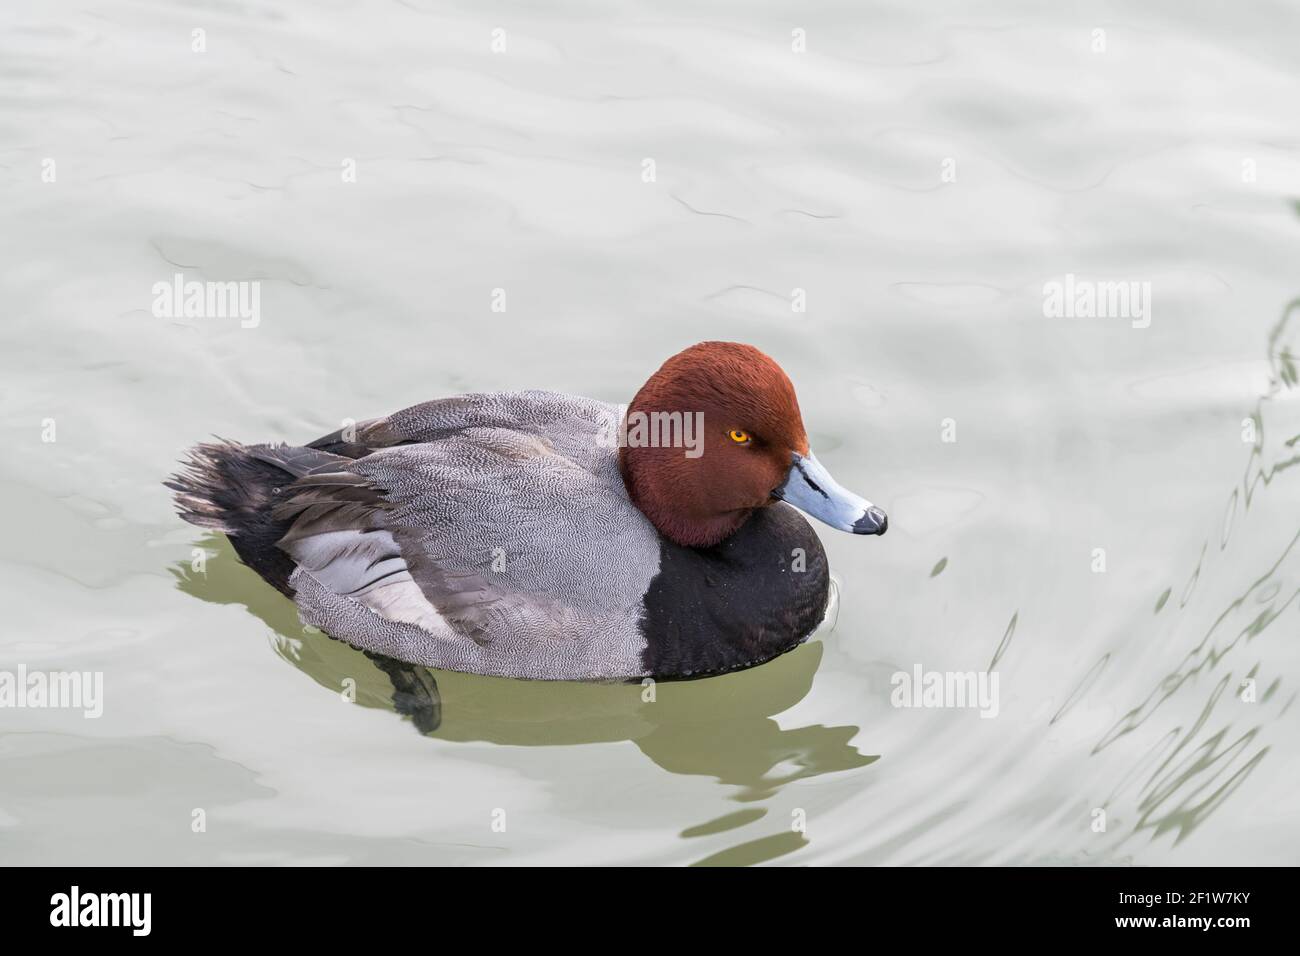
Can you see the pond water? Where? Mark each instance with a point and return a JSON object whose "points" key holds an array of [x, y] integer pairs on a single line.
{"points": [[1102, 511]]}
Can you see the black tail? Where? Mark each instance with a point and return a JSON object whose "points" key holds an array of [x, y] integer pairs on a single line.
{"points": [[234, 488]]}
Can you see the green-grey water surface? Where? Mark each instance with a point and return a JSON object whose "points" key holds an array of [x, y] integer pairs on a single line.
{"points": [[1113, 529]]}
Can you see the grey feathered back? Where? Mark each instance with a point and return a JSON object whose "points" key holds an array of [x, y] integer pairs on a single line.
{"points": [[493, 535]]}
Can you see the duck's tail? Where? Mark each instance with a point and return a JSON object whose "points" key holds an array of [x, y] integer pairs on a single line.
{"points": [[234, 488]]}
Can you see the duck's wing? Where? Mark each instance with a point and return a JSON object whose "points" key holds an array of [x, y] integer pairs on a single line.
{"points": [[504, 550], [578, 428]]}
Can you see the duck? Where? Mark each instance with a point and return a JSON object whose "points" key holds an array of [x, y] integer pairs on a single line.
{"points": [[544, 536]]}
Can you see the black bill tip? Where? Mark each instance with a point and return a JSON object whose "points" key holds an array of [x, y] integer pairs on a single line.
{"points": [[873, 521]]}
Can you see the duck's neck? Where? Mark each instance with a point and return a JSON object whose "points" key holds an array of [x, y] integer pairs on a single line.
{"points": [[660, 483]]}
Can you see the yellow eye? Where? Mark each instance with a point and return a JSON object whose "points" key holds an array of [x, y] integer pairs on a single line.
{"points": [[739, 437]]}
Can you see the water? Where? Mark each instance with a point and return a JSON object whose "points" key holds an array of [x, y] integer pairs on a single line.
{"points": [[1120, 690]]}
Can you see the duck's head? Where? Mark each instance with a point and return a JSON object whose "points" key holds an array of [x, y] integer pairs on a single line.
{"points": [[716, 434]]}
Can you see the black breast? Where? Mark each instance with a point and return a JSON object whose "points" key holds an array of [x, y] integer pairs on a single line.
{"points": [[739, 603]]}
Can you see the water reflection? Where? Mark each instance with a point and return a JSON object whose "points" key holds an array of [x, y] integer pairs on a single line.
{"points": [[1192, 770], [722, 727]]}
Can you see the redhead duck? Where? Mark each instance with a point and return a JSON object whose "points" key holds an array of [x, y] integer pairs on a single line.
{"points": [[544, 536]]}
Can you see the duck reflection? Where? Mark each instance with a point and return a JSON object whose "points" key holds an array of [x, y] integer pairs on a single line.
{"points": [[722, 727]]}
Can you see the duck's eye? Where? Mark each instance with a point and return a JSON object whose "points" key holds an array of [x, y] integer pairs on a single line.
{"points": [[739, 437]]}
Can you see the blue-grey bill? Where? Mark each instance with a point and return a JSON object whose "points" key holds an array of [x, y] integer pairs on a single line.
{"points": [[811, 489]]}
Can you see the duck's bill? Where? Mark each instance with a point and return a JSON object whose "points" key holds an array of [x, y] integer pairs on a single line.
{"points": [[811, 489]]}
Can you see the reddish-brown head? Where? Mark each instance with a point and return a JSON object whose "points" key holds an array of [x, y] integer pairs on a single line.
{"points": [[713, 435]]}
